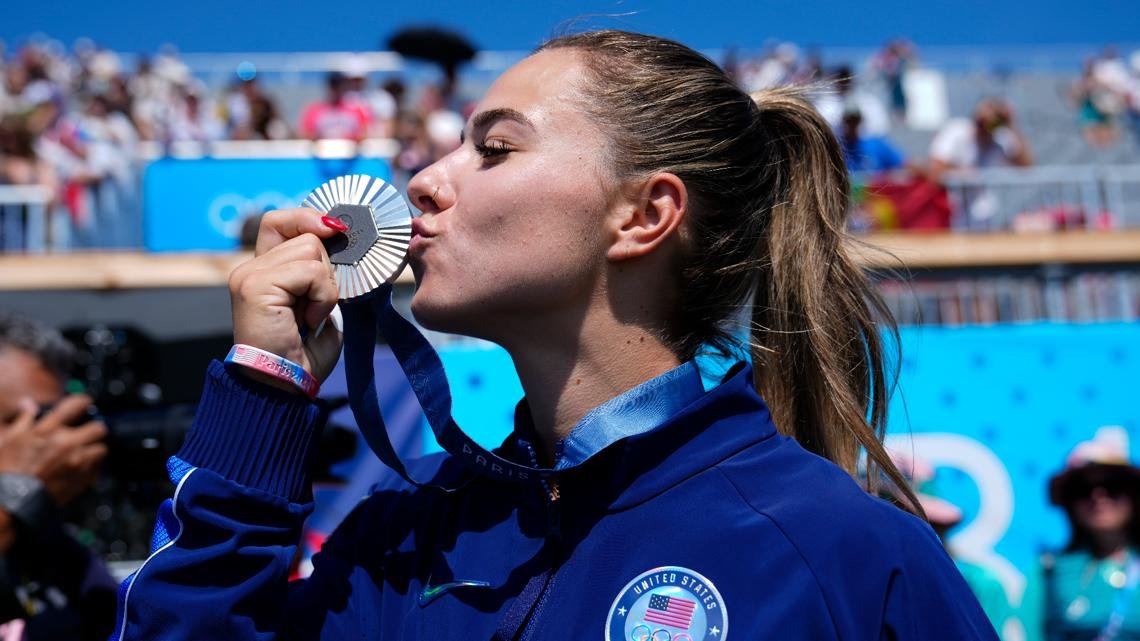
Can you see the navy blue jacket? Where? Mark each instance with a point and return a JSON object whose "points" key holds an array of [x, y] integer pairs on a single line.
{"points": [[711, 526]]}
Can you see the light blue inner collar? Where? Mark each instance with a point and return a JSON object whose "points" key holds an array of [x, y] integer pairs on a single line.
{"points": [[641, 409]]}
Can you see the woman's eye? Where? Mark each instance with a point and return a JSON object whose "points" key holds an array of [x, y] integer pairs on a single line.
{"points": [[492, 149]]}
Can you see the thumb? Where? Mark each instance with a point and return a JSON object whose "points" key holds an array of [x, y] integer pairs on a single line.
{"points": [[322, 348]]}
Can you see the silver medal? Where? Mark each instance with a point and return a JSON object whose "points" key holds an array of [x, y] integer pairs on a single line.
{"points": [[374, 250]]}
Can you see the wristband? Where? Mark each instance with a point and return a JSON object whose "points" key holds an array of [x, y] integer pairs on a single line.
{"points": [[276, 366]]}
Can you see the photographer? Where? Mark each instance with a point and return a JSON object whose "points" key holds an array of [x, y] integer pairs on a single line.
{"points": [[50, 452]]}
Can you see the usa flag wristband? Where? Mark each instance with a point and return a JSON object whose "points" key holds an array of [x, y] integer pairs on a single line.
{"points": [[276, 366]]}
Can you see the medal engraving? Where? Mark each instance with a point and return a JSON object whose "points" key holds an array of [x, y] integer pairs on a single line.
{"points": [[348, 248]]}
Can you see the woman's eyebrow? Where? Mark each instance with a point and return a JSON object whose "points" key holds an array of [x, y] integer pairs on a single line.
{"points": [[485, 119]]}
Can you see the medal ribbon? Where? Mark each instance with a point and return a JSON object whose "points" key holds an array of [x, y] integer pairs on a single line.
{"points": [[638, 410], [424, 371]]}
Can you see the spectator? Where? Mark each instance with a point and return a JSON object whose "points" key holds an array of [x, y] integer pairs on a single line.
{"points": [[190, 119], [150, 93], [865, 153], [989, 139], [335, 117], [265, 119], [19, 162], [774, 69], [110, 142], [252, 115], [40, 87], [118, 96], [12, 89], [846, 97], [395, 87], [237, 111], [1088, 590], [50, 451], [381, 105], [110, 138], [892, 63], [415, 147], [1097, 106], [1110, 71], [1133, 112]]}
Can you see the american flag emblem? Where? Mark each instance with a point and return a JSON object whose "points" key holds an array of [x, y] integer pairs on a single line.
{"points": [[670, 610]]}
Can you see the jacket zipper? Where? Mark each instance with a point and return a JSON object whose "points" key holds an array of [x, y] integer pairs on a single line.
{"points": [[553, 540]]}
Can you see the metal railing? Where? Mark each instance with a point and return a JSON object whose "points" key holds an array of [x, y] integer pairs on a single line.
{"points": [[1045, 198], [26, 222]]}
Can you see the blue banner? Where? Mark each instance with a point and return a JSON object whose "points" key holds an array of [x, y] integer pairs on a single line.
{"points": [[996, 410], [200, 204]]}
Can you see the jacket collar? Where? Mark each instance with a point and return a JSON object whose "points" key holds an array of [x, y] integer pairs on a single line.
{"points": [[637, 411], [657, 435]]}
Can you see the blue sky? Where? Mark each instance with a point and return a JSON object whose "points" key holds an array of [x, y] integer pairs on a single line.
{"points": [[338, 25]]}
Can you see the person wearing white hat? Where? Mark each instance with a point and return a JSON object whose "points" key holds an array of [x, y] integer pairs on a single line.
{"points": [[1088, 590]]}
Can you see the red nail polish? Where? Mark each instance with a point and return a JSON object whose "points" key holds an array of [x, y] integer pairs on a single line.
{"points": [[333, 223]]}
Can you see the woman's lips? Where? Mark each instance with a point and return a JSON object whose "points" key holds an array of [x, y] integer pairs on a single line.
{"points": [[420, 228], [417, 245], [421, 236]]}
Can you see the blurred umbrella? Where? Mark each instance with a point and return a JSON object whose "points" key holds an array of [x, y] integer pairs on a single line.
{"points": [[435, 44]]}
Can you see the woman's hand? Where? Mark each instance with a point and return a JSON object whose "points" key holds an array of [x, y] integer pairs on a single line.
{"points": [[287, 286]]}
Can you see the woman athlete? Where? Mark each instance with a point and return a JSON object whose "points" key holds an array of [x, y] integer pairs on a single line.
{"points": [[617, 207]]}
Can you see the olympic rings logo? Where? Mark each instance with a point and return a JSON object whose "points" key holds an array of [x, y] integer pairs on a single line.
{"points": [[227, 211], [644, 633]]}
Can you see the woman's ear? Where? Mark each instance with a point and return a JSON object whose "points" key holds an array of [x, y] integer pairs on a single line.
{"points": [[649, 217]]}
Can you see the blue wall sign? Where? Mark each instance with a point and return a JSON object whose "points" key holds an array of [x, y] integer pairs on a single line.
{"points": [[200, 204]]}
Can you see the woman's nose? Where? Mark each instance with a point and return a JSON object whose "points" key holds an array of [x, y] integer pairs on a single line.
{"points": [[428, 190]]}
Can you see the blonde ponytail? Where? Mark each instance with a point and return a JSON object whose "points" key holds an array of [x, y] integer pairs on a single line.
{"points": [[819, 356]]}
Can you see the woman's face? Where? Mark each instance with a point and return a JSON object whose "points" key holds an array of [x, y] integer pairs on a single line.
{"points": [[1104, 509], [511, 230]]}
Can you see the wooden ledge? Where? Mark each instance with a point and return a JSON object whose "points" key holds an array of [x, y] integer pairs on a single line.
{"points": [[133, 270], [121, 270], [951, 250]]}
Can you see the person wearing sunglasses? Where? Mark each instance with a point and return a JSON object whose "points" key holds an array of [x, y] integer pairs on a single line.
{"points": [[1088, 589]]}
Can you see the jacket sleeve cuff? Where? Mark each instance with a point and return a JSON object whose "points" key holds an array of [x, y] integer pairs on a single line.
{"points": [[254, 435]]}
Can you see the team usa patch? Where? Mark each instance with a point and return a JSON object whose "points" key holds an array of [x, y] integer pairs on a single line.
{"points": [[668, 604]]}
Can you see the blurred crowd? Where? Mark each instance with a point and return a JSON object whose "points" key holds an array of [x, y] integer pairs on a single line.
{"points": [[864, 107], [869, 109], [74, 121]]}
